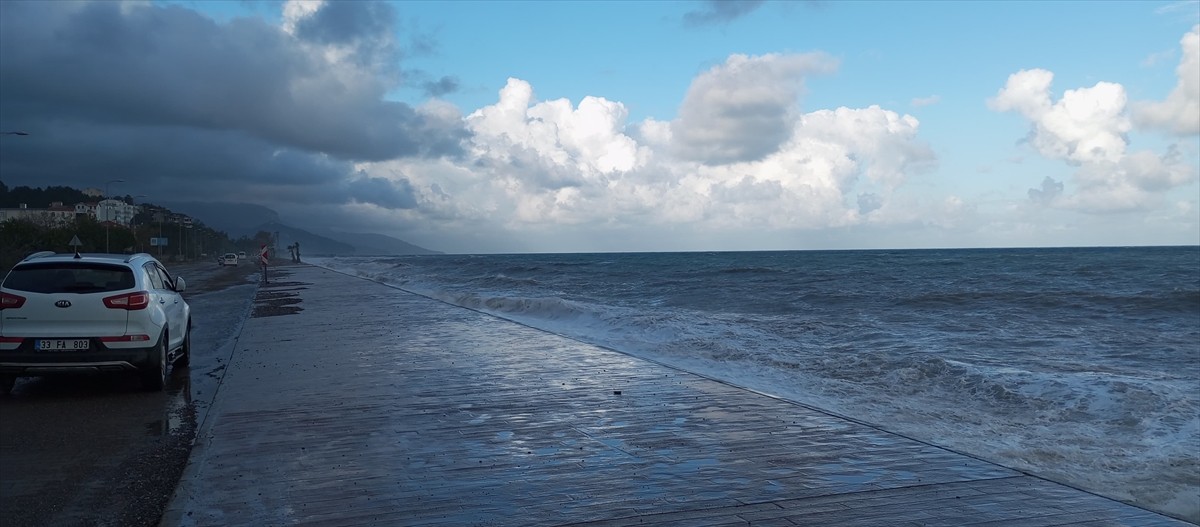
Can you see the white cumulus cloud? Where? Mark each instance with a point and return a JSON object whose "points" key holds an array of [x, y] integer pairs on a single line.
{"points": [[540, 165], [1088, 128], [1085, 125], [1180, 112], [587, 140]]}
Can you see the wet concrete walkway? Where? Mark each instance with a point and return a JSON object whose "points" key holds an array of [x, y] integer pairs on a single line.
{"points": [[351, 403]]}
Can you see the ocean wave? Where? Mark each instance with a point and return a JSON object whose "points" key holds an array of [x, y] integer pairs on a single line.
{"points": [[751, 270], [1178, 301], [528, 309]]}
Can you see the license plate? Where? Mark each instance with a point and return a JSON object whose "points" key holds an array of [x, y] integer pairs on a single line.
{"points": [[63, 344]]}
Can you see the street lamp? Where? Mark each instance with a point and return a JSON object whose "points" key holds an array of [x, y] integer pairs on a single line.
{"points": [[15, 133], [108, 211]]}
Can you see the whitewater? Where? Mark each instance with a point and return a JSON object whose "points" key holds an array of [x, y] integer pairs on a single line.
{"points": [[1077, 365]]}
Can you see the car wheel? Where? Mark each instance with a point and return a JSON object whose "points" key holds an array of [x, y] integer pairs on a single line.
{"points": [[185, 352], [154, 373], [6, 383]]}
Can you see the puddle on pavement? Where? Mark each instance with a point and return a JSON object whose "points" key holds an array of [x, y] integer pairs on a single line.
{"points": [[178, 414], [277, 299], [277, 307]]}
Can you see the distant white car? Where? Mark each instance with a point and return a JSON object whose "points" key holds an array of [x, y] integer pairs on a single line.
{"points": [[92, 313], [229, 259], [242, 255]]}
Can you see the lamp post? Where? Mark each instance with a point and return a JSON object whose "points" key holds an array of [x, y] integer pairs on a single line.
{"points": [[108, 211]]}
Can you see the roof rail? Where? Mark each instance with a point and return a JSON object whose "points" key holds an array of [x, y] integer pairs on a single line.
{"points": [[135, 255], [38, 254]]}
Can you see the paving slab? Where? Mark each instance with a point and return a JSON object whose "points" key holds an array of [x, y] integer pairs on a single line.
{"points": [[350, 402]]}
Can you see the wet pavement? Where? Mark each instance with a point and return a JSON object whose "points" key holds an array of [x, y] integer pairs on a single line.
{"points": [[98, 449], [348, 402]]}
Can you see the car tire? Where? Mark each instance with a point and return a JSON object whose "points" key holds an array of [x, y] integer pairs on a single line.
{"points": [[185, 351], [6, 383], [154, 373]]}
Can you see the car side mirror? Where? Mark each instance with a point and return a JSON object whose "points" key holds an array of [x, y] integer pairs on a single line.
{"points": [[180, 285]]}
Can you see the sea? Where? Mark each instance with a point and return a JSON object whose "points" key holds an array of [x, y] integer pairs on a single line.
{"points": [[1080, 365]]}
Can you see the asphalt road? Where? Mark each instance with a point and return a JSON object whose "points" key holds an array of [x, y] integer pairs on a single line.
{"points": [[98, 450]]}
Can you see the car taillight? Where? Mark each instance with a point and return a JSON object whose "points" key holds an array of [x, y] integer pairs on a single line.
{"points": [[11, 301], [128, 301]]}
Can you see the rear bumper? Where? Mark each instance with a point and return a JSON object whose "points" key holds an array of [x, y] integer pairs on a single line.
{"points": [[25, 361], [37, 369]]}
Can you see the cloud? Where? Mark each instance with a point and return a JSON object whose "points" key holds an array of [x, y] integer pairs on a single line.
{"points": [[720, 12], [1186, 7], [926, 101], [1135, 183], [1049, 192], [877, 143], [1086, 125], [363, 26], [1087, 128], [559, 144], [1154, 59], [185, 108], [1026, 92], [440, 87], [544, 168], [742, 110], [869, 202], [1180, 113], [387, 193], [320, 90]]}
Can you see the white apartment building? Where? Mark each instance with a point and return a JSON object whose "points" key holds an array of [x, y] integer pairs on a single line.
{"points": [[113, 210], [56, 214], [116, 211]]}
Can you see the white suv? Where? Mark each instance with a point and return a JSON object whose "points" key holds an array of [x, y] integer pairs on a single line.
{"points": [[78, 313]]}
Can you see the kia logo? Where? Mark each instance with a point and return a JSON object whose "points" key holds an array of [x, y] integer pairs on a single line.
{"points": [[63, 303]]}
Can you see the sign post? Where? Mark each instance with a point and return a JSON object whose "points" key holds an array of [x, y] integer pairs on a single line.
{"points": [[262, 261], [76, 244]]}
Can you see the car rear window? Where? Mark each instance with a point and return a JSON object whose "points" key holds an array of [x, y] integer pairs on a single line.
{"points": [[67, 277]]}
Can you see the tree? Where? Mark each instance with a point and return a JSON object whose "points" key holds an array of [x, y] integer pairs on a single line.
{"points": [[20, 238], [39, 198]]}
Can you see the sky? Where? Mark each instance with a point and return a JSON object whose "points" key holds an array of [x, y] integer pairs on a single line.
{"points": [[485, 127]]}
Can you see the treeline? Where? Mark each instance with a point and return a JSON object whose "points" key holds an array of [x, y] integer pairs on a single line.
{"points": [[37, 198], [188, 239]]}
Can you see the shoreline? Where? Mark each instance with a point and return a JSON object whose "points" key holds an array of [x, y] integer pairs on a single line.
{"points": [[423, 410]]}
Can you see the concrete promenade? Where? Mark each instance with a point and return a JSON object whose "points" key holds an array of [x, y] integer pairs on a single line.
{"points": [[351, 403]]}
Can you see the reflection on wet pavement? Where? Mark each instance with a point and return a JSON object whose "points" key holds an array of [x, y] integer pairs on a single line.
{"points": [[98, 449], [374, 406]]}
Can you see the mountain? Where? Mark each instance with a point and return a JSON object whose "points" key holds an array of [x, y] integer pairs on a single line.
{"points": [[369, 244], [310, 244], [345, 243], [235, 219], [245, 219]]}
